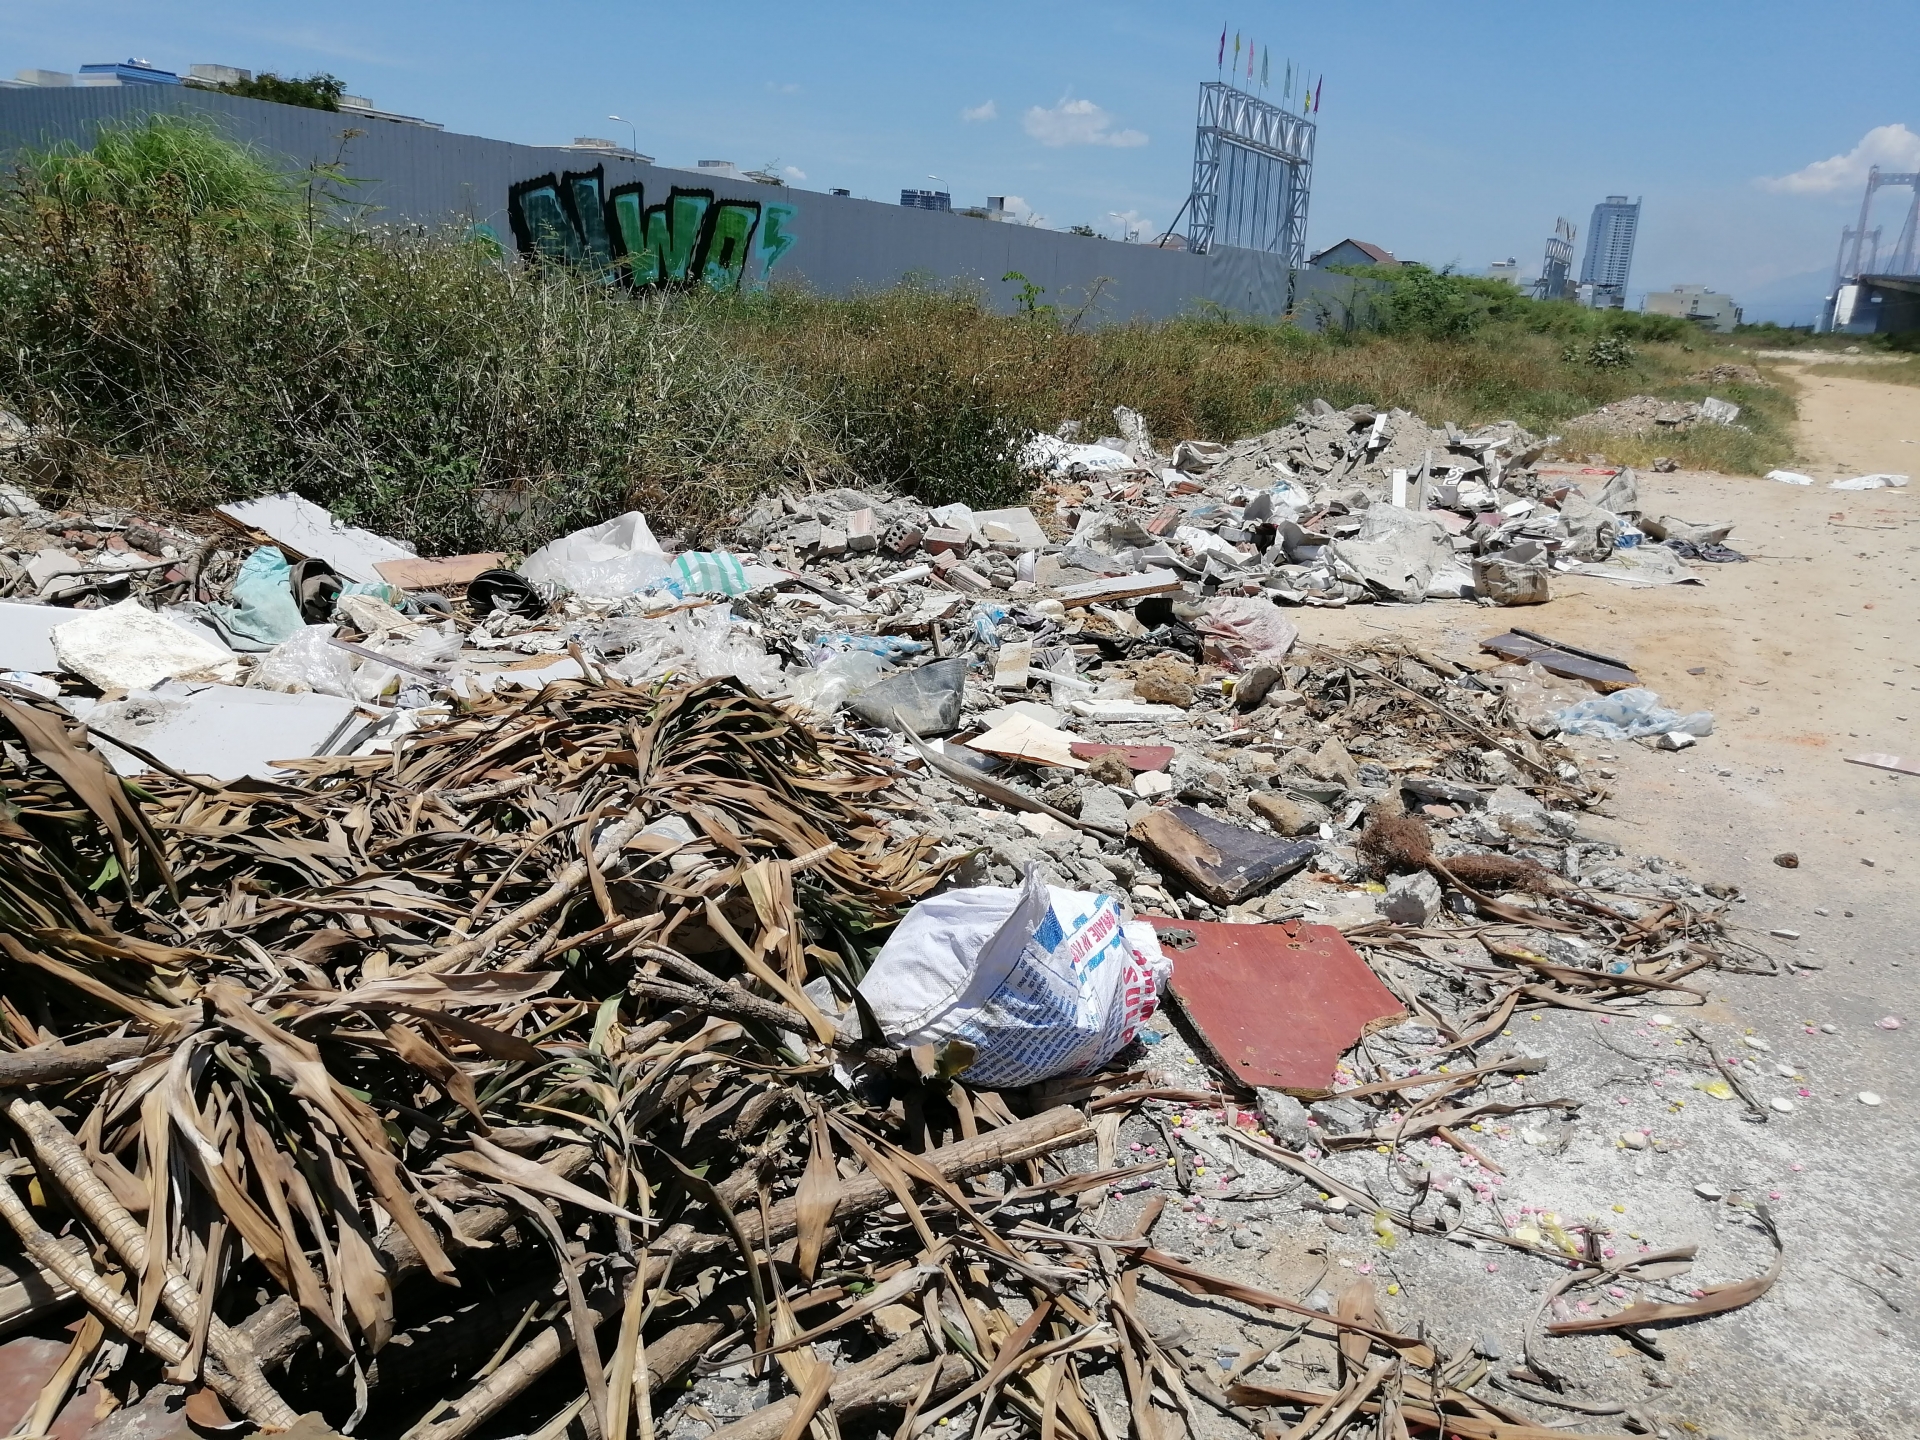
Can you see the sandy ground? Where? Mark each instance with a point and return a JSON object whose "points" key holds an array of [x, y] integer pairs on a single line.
{"points": [[1806, 656]]}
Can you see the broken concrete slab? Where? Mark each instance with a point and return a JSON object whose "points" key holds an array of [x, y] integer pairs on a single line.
{"points": [[1105, 807], [1013, 665], [1411, 899], [1013, 527], [1288, 814], [1224, 863], [1124, 712], [305, 529], [220, 731], [1276, 1004]]}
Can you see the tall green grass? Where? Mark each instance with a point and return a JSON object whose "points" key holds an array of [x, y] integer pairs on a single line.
{"points": [[188, 330]]}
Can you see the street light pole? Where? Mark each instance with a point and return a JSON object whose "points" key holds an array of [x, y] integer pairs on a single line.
{"points": [[633, 129]]}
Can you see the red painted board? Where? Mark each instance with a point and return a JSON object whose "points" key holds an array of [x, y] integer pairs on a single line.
{"points": [[1135, 757], [1278, 1005]]}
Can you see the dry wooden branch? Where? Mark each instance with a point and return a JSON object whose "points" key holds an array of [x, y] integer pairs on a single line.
{"points": [[55, 1064], [886, 1381]]}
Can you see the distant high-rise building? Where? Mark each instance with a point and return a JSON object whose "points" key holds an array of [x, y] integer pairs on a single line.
{"points": [[1610, 251], [926, 199]]}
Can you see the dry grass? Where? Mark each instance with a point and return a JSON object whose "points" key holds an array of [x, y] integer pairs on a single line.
{"points": [[1890, 370]]}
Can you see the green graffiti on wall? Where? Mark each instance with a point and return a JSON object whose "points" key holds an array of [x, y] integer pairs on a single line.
{"points": [[690, 237]]}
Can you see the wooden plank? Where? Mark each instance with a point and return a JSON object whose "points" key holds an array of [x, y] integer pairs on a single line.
{"points": [[1877, 762], [1523, 651], [1225, 863], [1278, 1005], [416, 574], [1120, 587]]}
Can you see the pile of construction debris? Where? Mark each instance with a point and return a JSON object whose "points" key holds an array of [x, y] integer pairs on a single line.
{"points": [[765, 948], [1649, 415]]}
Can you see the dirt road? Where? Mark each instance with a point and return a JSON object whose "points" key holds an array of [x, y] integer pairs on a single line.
{"points": [[1806, 656]]}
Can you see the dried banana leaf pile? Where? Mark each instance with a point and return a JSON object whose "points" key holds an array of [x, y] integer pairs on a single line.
{"points": [[489, 1086]]}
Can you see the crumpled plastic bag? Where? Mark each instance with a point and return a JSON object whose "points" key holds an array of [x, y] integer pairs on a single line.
{"points": [[1052, 456], [1629, 715], [709, 572], [825, 688], [1243, 630], [430, 648], [602, 562], [1870, 482], [701, 643], [1538, 696], [306, 662], [1040, 981]]}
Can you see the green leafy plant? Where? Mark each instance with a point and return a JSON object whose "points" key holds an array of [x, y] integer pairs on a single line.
{"points": [[1604, 352], [316, 92]]}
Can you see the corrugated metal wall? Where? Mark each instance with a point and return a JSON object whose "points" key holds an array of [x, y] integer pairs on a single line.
{"points": [[413, 174]]}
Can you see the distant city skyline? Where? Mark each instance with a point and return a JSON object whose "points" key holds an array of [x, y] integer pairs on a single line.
{"points": [[1083, 114]]}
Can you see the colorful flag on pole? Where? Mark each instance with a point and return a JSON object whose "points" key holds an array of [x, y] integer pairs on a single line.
{"points": [[1289, 89], [1266, 66], [1249, 62], [1316, 93], [1221, 59], [1236, 52]]}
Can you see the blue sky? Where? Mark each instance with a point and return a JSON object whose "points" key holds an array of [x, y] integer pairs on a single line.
{"points": [[1449, 133]]}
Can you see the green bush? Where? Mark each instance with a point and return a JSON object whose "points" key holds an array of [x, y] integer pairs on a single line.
{"points": [[175, 319], [315, 92]]}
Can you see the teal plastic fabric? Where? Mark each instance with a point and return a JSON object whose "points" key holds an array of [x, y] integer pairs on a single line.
{"points": [[263, 609], [705, 572]]}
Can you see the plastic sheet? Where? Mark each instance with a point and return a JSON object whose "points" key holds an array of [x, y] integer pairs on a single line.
{"points": [[304, 663], [264, 610], [604, 562], [700, 642], [1630, 715], [824, 688]]}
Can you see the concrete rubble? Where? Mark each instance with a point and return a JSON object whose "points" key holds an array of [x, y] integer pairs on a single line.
{"points": [[1101, 693]]}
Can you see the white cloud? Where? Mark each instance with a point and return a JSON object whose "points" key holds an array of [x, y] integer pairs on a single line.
{"points": [[794, 172], [789, 88], [1019, 212], [988, 111], [1077, 122], [1891, 147]]}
